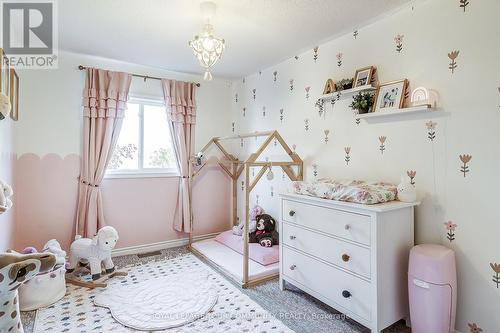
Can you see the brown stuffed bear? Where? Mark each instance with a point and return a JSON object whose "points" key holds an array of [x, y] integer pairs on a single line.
{"points": [[265, 233]]}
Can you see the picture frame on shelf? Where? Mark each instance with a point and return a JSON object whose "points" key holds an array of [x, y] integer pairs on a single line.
{"points": [[363, 76], [14, 94], [391, 95]]}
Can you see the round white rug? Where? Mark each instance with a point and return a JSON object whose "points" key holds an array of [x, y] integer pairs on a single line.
{"points": [[161, 303]]}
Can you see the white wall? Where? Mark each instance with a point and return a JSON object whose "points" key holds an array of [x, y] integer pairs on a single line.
{"points": [[6, 174], [51, 101], [470, 97]]}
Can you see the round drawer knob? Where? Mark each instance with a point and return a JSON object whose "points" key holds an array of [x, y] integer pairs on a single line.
{"points": [[345, 257], [291, 213], [346, 294], [292, 268], [292, 237], [347, 227]]}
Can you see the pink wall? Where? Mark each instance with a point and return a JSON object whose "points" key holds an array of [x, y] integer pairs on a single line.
{"points": [[140, 209]]}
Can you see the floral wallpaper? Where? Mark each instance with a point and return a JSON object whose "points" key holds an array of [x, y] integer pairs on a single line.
{"points": [[446, 46], [399, 43], [450, 228], [453, 55]]}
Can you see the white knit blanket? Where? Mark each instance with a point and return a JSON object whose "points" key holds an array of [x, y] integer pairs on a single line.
{"points": [[162, 303]]}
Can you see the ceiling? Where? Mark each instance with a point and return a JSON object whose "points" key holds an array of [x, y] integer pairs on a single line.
{"points": [[258, 33]]}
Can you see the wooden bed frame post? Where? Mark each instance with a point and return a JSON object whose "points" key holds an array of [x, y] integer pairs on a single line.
{"points": [[235, 194], [190, 195], [247, 222]]}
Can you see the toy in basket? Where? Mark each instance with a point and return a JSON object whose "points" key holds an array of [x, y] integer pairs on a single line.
{"points": [[95, 253], [48, 287]]}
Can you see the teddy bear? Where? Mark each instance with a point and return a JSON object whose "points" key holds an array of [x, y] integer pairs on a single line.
{"points": [[265, 233], [238, 229], [5, 194]]}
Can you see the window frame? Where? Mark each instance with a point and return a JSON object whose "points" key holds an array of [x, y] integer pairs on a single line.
{"points": [[141, 171]]}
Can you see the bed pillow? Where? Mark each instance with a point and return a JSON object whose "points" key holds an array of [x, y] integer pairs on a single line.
{"points": [[263, 255]]}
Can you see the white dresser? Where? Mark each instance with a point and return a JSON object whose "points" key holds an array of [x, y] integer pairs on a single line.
{"points": [[352, 257]]}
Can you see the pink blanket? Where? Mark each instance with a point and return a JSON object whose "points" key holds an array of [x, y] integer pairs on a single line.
{"points": [[263, 255]]}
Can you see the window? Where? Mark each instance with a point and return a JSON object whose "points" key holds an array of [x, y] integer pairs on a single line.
{"points": [[144, 147]]}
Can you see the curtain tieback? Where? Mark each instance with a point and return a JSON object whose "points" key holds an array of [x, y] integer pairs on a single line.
{"points": [[88, 184], [185, 177]]}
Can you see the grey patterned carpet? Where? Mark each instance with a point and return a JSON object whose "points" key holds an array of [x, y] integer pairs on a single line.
{"points": [[299, 311]]}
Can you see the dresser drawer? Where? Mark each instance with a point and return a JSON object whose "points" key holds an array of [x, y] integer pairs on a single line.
{"points": [[355, 227], [348, 256], [342, 288]]}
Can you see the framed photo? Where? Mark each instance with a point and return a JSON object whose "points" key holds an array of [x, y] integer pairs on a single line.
{"points": [[4, 73], [390, 96], [363, 76], [14, 94]]}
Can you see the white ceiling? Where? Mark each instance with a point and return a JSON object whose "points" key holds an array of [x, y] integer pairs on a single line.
{"points": [[258, 33]]}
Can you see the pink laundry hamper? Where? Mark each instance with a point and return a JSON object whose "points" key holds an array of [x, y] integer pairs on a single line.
{"points": [[432, 288]]}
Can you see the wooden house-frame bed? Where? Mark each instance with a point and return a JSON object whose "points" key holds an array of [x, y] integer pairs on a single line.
{"points": [[216, 254]]}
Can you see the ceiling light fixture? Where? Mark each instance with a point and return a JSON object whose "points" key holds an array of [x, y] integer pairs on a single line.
{"points": [[206, 47]]}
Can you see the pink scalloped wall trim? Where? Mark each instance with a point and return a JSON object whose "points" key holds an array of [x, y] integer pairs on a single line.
{"points": [[140, 209]]}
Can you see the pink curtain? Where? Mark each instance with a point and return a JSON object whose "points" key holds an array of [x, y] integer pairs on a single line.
{"points": [[104, 102], [181, 113]]}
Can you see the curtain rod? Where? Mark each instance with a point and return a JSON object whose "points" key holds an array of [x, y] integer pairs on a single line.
{"points": [[145, 77]]}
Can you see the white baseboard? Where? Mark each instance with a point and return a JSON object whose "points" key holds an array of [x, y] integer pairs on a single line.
{"points": [[138, 249]]}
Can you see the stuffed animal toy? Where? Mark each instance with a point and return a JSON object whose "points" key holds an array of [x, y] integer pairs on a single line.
{"points": [[256, 211], [53, 246], [5, 194], [238, 229], [95, 251], [198, 159], [29, 250], [15, 269], [406, 191], [5, 106], [266, 234]]}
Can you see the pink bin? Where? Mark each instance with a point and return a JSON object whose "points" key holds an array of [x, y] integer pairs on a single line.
{"points": [[432, 288]]}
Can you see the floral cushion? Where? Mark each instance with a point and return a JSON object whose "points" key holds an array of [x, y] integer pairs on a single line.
{"points": [[357, 191]]}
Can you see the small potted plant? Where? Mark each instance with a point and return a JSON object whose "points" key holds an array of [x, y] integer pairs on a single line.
{"points": [[362, 102], [344, 84]]}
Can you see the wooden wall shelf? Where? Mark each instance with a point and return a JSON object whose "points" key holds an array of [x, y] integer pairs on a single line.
{"points": [[400, 114], [392, 113]]}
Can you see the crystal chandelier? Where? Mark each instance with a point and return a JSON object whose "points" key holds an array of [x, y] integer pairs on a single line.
{"points": [[207, 48]]}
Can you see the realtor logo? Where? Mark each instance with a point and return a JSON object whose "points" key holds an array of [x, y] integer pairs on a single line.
{"points": [[29, 33]]}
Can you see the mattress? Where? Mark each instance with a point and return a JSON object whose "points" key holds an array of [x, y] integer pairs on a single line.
{"points": [[263, 255], [356, 191], [231, 262]]}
